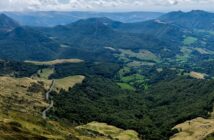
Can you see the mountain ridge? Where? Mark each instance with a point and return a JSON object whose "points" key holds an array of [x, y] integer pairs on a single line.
{"points": [[195, 19], [7, 24]]}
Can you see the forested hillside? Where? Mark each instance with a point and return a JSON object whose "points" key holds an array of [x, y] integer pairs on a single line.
{"points": [[98, 74]]}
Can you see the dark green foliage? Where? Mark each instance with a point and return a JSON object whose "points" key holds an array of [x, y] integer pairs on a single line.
{"points": [[94, 34], [102, 100], [26, 44], [18, 69], [104, 69], [152, 114]]}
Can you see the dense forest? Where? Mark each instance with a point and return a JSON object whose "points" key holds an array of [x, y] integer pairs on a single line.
{"points": [[152, 113], [169, 100]]}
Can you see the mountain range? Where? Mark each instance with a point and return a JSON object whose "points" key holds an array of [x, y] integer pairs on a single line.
{"points": [[195, 19], [53, 18], [97, 33]]}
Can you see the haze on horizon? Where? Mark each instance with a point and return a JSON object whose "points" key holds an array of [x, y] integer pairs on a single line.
{"points": [[106, 5]]}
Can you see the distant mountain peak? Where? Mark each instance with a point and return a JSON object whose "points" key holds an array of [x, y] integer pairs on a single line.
{"points": [[198, 11], [98, 20], [101, 22], [195, 19], [7, 23]]}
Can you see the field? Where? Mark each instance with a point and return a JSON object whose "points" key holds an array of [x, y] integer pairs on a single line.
{"points": [[196, 129], [69, 82], [63, 83], [107, 131], [21, 105], [186, 54], [126, 86], [141, 55], [45, 73], [16, 90], [29, 126], [204, 51], [123, 71], [197, 75], [189, 40], [55, 62], [135, 80]]}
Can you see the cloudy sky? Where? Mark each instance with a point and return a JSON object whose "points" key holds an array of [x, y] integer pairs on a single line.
{"points": [[105, 5]]}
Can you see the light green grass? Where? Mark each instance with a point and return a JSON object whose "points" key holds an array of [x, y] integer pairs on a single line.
{"points": [[210, 138], [206, 31], [55, 62], [108, 131], [189, 40], [124, 71], [142, 55], [186, 54], [69, 82], [45, 73], [204, 51], [132, 77], [135, 80], [126, 86]]}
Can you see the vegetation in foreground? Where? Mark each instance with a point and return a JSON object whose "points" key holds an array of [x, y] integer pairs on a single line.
{"points": [[21, 104], [198, 128], [152, 113]]}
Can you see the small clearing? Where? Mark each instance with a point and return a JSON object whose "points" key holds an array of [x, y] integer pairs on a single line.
{"points": [[69, 82], [197, 75], [204, 51], [126, 86], [63, 83], [186, 54], [55, 62], [110, 48], [189, 40], [45, 73], [142, 55]]}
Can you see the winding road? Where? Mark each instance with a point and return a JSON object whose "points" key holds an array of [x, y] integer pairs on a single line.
{"points": [[47, 98]]}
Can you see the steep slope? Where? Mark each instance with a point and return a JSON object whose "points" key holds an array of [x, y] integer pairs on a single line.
{"points": [[156, 28], [21, 103], [195, 19], [7, 24], [24, 43], [94, 34]]}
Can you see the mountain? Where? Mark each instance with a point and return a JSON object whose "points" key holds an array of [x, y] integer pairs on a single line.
{"points": [[155, 28], [25, 43], [195, 19], [53, 18], [95, 34], [7, 24]]}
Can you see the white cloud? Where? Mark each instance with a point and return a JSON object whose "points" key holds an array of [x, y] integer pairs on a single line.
{"points": [[68, 5]]}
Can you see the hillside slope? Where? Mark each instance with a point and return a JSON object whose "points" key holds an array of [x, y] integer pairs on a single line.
{"points": [[7, 24], [195, 19]]}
